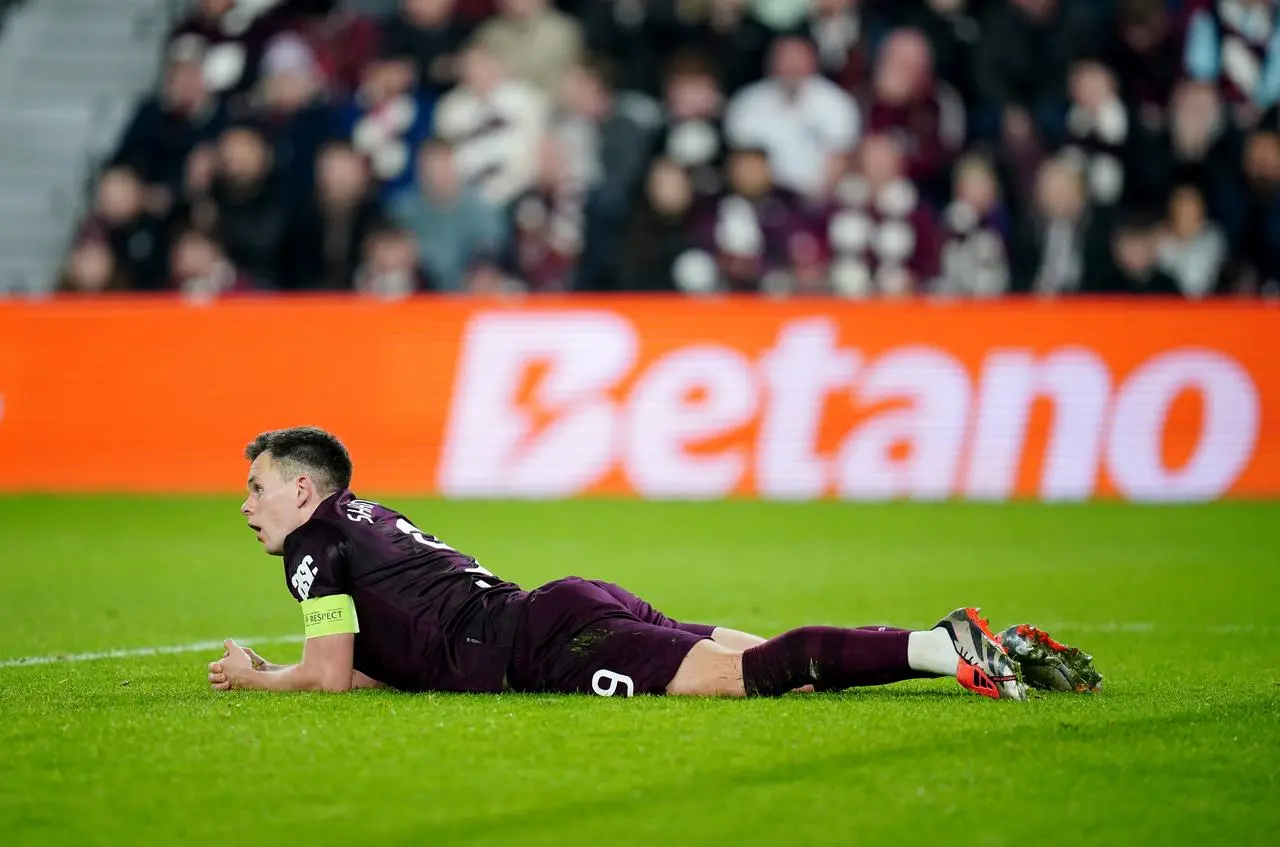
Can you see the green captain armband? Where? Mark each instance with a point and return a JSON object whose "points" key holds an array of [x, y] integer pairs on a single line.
{"points": [[329, 616]]}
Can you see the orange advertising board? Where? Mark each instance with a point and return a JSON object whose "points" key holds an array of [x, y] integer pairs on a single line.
{"points": [[653, 397]]}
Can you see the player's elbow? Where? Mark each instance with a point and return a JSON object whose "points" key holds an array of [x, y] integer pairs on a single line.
{"points": [[330, 680], [333, 684]]}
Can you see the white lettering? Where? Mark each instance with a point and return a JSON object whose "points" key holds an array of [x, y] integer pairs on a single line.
{"points": [[804, 366], [1228, 434], [491, 446], [931, 428], [614, 680], [691, 395], [539, 411], [360, 510], [1078, 382], [420, 536], [304, 577]]}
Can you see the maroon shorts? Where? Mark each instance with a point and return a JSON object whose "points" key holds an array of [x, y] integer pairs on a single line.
{"points": [[582, 636]]}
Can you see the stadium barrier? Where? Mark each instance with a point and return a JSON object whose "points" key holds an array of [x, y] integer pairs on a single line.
{"points": [[653, 397]]}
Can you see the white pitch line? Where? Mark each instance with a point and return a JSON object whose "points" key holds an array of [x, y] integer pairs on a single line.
{"points": [[134, 652]]}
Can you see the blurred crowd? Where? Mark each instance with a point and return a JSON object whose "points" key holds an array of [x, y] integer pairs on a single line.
{"points": [[862, 148]]}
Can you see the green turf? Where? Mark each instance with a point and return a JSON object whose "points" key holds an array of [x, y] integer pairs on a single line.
{"points": [[1180, 606]]}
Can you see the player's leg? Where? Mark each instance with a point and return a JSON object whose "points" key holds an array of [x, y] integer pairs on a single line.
{"points": [[830, 658], [814, 658], [731, 638], [735, 640], [708, 670], [578, 637]]}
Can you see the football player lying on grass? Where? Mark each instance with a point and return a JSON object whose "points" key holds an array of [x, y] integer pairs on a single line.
{"points": [[386, 604]]}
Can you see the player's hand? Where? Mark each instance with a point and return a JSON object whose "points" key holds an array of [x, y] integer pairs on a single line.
{"points": [[226, 673], [259, 663], [218, 677]]}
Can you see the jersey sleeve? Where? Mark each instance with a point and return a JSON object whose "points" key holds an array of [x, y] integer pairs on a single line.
{"points": [[318, 575]]}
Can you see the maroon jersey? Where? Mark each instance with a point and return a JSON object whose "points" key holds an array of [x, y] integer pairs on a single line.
{"points": [[430, 618]]}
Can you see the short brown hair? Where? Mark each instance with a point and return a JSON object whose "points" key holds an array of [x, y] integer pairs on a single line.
{"points": [[688, 63], [307, 449], [600, 69]]}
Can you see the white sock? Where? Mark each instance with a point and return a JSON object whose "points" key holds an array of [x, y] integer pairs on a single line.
{"points": [[931, 651]]}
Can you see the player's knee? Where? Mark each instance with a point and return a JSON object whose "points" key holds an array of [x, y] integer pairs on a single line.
{"points": [[709, 670]]}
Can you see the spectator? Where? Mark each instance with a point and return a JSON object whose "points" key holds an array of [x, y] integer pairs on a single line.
{"points": [[343, 41], [294, 113], [194, 208], [730, 38], [636, 35], [924, 114], [802, 120], [93, 269], [548, 224], [885, 239], [249, 212], [386, 120], [495, 126], [1098, 130], [234, 36], [1233, 43], [430, 34], [843, 32], [750, 231], [1259, 240], [1146, 56], [472, 12], [658, 249], [1193, 249], [167, 127], [975, 255], [1062, 243], [693, 134], [605, 152], [202, 271], [1200, 146], [458, 232], [135, 235], [535, 42], [1134, 266], [952, 29], [389, 269], [780, 15], [1020, 66], [324, 245]]}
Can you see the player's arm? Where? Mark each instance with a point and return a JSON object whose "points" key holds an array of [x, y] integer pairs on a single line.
{"points": [[360, 680], [330, 626], [219, 680], [325, 666]]}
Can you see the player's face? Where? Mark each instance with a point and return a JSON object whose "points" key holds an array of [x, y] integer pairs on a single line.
{"points": [[276, 504]]}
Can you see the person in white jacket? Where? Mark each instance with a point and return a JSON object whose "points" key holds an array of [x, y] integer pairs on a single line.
{"points": [[802, 120], [495, 125]]}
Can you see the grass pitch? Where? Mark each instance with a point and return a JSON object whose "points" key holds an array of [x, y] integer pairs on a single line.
{"points": [[1180, 606]]}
